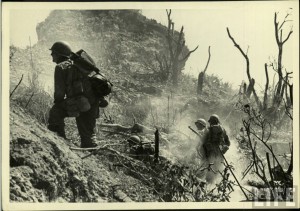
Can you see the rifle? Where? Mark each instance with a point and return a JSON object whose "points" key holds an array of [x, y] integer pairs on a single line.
{"points": [[194, 131]]}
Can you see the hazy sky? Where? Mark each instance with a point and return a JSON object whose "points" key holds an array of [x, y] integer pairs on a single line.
{"points": [[23, 25], [251, 24]]}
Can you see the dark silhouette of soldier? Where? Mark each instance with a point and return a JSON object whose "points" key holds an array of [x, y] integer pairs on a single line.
{"points": [[216, 141], [73, 97]]}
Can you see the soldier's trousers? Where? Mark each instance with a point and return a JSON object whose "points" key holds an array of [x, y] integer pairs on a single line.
{"points": [[86, 123], [217, 159]]}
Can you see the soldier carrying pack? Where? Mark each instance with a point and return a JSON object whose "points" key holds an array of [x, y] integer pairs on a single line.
{"points": [[74, 94], [216, 138]]}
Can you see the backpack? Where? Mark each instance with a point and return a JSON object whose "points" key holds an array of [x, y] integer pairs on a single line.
{"points": [[100, 84], [216, 133], [216, 138]]}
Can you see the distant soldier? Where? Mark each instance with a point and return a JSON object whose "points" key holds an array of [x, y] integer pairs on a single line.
{"points": [[216, 141], [202, 131], [139, 149], [73, 97], [241, 138], [201, 125]]}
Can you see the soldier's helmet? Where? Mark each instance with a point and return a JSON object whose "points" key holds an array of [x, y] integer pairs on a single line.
{"points": [[214, 119], [134, 139], [201, 122], [61, 48]]}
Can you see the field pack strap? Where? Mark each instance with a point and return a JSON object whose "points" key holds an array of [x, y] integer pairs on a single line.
{"points": [[84, 62]]}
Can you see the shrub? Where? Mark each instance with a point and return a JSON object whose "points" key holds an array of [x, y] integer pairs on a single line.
{"points": [[33, 98]]}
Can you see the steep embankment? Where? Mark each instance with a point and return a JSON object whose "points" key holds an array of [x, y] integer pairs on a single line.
{"points": [[43, 168]]}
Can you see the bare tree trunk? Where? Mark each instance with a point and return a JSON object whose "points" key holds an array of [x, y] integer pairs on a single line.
{"points": [[265, 103], [200, 82], [288, 100], [250, 88], [245, 88], [201, 76], [207, 60], [251, 82], [280, 42], [244, 91], [175, 50], [283, 90], [156, 154], [164, 68], [291, 93]]}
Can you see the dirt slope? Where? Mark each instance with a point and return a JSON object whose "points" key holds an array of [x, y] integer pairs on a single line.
{"points": [[43, 169]]}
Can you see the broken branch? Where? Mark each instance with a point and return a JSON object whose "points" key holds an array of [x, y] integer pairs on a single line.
{"points": [[16, 86], [207, 60]]}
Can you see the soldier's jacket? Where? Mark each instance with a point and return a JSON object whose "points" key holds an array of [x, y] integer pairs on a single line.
{"points": [[214, 137], [69, 82]]}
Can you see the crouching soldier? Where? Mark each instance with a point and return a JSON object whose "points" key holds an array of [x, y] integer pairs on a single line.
{"points": [[139, 149], [73, 97], [216, 142]]}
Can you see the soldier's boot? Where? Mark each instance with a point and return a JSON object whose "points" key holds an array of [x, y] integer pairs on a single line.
{"points": [[88, 142], [61, 133], [92, 145], [60, 130]]}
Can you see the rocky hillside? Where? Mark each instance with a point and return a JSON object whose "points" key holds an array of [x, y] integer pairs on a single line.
{"points": [[43, 168], [124, 44]]}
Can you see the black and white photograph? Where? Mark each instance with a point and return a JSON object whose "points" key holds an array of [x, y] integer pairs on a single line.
{"points": [[150, 105]]}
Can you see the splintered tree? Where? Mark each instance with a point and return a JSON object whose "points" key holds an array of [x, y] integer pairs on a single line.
{"points": [[201, 76], [256, 137], [283, 90], [283, 84], [251, 88], [171, 65]]}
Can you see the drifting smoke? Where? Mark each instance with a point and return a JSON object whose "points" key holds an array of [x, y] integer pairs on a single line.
{"points": [[183, 142], [165, 113]]}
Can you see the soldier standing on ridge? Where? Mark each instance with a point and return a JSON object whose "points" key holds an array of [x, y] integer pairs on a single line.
{"points": [[73, 97]]}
